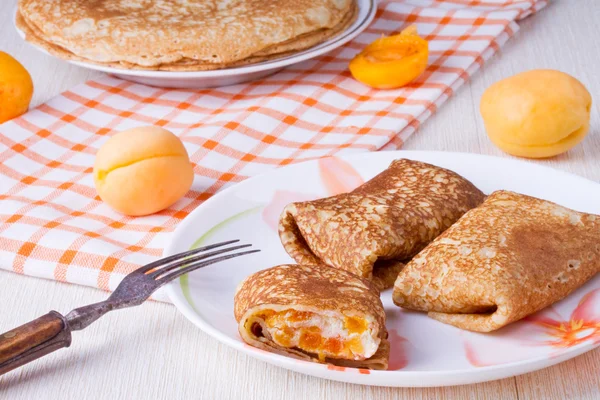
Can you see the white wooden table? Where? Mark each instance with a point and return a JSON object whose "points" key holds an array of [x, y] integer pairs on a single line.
{"points": [[153, 352]]}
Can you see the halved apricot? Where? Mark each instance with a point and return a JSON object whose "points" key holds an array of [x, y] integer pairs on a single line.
{"points": [[391, 62]]}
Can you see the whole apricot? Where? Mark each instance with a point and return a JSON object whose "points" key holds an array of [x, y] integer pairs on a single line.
{"points": [[536, 114], [143, 170], [16, 88]]}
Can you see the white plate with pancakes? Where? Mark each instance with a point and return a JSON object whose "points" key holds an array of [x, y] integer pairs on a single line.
{"points": [[424, 352], [364, 14]]}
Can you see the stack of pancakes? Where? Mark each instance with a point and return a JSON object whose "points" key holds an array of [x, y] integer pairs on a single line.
{"points": [[176, 35]]}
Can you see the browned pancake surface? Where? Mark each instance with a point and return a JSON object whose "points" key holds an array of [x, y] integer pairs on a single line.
{"points": [[191, 36], [373, 229], [506, 259]]}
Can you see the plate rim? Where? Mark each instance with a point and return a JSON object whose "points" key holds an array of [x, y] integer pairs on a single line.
{"points": [[498, 371], [341, 39]]}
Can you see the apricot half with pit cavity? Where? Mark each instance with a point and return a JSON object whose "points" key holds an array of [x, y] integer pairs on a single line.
{"points": [[143, 170], [536, 114], [393, 61]]}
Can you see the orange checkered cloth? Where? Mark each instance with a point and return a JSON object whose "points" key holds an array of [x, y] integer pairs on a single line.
{"points": [[55, 226]]}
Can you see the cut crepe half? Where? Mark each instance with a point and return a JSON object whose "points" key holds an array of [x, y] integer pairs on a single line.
{"points": [[374, 229], [313, 313], [506, 259]]}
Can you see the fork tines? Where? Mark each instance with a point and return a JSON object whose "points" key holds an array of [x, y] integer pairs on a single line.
{"points": [[192, 260]]}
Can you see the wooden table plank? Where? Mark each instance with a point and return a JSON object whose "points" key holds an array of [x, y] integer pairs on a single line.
{"points": [[578, 378]]}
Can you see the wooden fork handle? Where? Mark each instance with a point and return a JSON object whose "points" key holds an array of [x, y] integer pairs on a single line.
{"points": [[33, 340]]}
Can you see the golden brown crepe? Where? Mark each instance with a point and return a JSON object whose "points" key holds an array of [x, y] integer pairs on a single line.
{"points": [[506, 259], [374, 229], [173, 36], [313, 313]]}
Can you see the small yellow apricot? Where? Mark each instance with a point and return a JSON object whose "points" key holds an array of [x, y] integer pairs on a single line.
{"points": [[143, 170], [16, 88], [536, 114]]}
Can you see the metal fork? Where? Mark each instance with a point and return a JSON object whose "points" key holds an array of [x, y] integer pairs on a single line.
{"points": [[52, 331]]}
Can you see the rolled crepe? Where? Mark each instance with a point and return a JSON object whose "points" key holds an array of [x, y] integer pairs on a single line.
{"points": [[506, 259], [374, 229], [313, 313]]}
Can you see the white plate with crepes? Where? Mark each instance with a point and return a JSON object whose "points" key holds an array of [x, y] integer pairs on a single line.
{"points": [[230, 76], [424, 352]]}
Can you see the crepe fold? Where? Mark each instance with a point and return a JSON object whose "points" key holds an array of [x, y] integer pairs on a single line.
{"points": [[508, 258], [170, 35], [313, 313], [374, 229]]}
